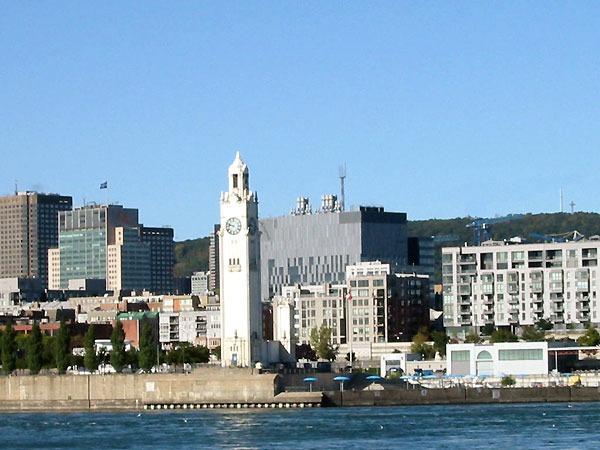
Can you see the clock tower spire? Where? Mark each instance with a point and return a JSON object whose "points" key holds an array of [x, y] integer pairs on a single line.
{"points": [[239, 259]]}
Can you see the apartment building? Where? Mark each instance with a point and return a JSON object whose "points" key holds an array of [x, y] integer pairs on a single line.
{"points": [[373, 306], [514, 285]]}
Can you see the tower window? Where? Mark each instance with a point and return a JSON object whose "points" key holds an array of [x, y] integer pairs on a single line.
{"points": [[245, 181], [235, 181]]}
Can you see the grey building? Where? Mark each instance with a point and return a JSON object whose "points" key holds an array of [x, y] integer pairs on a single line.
{"points": [[315, 248], [28, 228]]}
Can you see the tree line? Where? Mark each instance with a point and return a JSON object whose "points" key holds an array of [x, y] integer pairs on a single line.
{"points": [[37, 352]]}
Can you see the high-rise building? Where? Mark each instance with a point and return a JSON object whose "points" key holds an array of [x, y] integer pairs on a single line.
{"points": [[28, 228], [213, 260], [107, 242], [161, 258], [515, 285], [239, 247], [315, 248]]}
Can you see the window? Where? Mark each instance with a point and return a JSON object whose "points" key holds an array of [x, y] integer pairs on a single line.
{"points": [[460, 355], [484, 354], [535, 354], [363, 283]]}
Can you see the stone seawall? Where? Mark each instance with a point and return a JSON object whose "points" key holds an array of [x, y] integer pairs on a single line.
{"points": [[460, 395], [238, 388], [133, 391]]}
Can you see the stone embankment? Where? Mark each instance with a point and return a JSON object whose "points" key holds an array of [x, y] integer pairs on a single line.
{"points": [[243, 389], [133, 391], [460, 395]]}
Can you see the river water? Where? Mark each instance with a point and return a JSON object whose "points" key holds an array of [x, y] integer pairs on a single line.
{"points": [[530, 426]]}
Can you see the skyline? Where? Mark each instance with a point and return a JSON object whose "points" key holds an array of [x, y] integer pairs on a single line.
{"points": [[462, 109]]}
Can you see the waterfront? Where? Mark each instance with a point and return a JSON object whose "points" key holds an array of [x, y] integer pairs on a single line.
{"points": [[533, 425]]}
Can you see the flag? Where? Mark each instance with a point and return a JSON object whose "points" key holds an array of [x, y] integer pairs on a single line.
{"points": [[349, 296], [104, 185]]}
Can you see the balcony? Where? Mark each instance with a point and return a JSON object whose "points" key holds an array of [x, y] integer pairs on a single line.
{"points": [[583, 306], [513, 319], [583, 316]]}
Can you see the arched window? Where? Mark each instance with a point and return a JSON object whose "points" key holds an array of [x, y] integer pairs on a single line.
{"points": [[484, 355]]}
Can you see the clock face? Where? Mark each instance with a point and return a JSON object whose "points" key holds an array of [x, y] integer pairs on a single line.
{"points": [[252, 227], [233, 225]]}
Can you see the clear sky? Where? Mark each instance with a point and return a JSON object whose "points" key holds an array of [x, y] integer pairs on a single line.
{"points": [[439, 109]]}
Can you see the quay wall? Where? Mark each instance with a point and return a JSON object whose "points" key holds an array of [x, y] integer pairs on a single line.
{"points": [[460, 395], [133, 391]]}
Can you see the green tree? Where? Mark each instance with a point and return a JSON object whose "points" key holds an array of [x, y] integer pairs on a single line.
{"points": [[320, 340], [61, 347], [117, 340], [590, 338], [305, 351], [90, 360], [544, 325], [147, 355], [532, 334], [419, 345], [9, 348], [217, 352], [473, 338], [508, 381], [487, 329], [35, 350], [503, 336], [440, 340]]}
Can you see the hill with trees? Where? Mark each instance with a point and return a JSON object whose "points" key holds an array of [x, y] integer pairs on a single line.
{"points": [[192, 255]]}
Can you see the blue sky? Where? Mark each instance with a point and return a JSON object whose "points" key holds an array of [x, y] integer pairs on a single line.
{"points": [[438, 109]]}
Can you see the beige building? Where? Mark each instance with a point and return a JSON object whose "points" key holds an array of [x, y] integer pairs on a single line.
{"points": [[28, 228]]}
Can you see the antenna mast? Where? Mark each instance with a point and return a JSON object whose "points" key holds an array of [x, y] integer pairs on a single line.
{"points": [[342, 172], [16, 187], [561, 201]]}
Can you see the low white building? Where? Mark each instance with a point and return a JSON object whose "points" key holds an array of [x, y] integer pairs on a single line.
{"points": [[506, 358]]}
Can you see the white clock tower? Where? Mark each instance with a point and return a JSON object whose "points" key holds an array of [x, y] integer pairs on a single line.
{"points": [[239, 259]]}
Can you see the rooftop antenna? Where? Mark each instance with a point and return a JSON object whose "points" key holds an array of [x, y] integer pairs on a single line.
{"points": [[342, 172], [572, 205], [16, 187], [561, 201]]}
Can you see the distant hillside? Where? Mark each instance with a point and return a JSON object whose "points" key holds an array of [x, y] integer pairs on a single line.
{"points": [[192, 255], [586, 223]]}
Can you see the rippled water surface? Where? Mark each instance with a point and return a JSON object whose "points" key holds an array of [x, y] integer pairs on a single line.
{"points": [[534, 425]]}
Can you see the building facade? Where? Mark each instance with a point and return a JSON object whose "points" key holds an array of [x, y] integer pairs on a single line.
{"points": [[108, 242], [514, 285], [315, 248], [162, 259], [200, 283], [239, 258], [213, 260], [28, 228], [373, 306], [507, 358]]}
